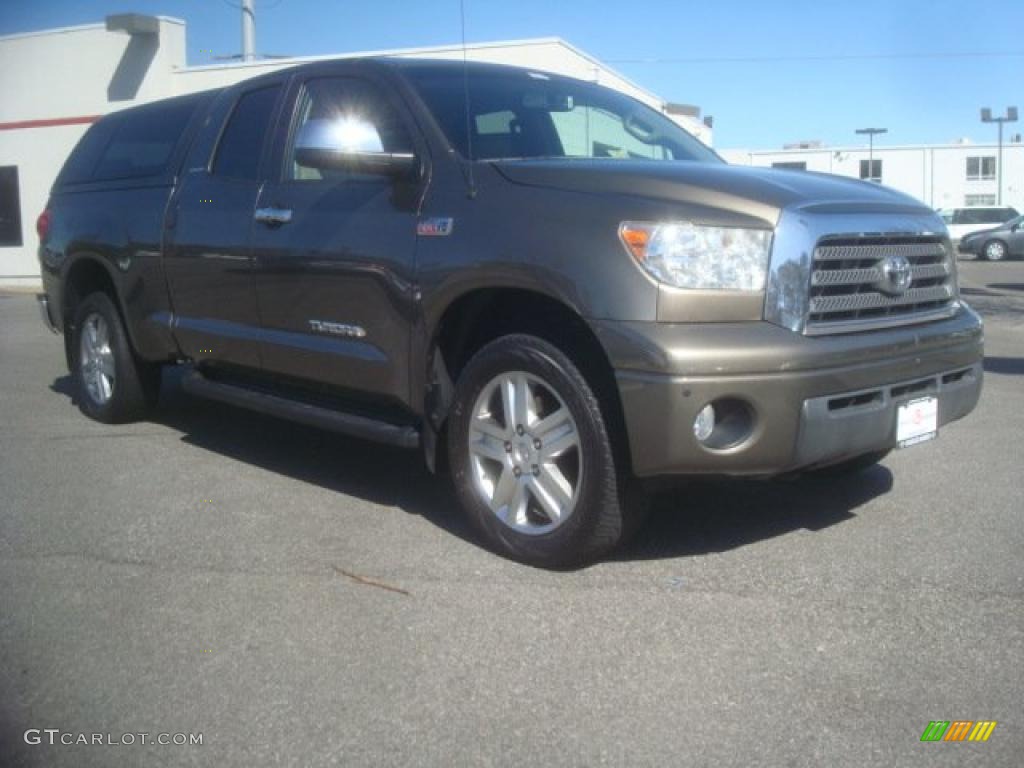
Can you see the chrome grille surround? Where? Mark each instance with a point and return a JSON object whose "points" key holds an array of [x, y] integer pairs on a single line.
{"points": [[825, 274]]}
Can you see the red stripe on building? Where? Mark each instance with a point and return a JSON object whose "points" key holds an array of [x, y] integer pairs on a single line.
{"points": [[83, 120]]}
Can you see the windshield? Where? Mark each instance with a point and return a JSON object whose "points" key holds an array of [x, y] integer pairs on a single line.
{"points": [[522, 114]]}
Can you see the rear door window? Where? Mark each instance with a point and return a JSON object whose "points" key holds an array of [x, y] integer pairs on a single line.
{"points": [[973, 216], [998, 215], [241, 145]]}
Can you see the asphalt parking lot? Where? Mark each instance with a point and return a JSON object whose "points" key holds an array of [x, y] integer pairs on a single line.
{"points": [[303, 599]]}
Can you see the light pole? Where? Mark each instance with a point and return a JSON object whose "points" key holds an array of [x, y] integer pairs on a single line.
{"points": [[871, 133], [248, 30], [1009, 117]]}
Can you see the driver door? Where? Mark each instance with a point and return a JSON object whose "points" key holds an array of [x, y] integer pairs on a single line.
{"points": [[334, 250]]}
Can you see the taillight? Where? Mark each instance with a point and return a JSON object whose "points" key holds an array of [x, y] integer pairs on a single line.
{"points": [[43, 224]]}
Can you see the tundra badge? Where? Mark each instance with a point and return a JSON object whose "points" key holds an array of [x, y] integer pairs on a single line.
{"points": [[337, 329]]}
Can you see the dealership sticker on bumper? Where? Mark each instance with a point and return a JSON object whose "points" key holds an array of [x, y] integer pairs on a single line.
{"points": [[917, 421]]}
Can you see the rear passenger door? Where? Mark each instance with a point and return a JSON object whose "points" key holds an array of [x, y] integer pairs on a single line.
{"points": [[334, 250], [209, 259]]}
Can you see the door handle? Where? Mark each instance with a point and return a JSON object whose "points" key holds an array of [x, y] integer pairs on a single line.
{"points": [[273, 216]]}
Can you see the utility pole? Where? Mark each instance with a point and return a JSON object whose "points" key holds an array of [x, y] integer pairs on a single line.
{"points": [[1009, 117], [248, 30], [871, 133]]}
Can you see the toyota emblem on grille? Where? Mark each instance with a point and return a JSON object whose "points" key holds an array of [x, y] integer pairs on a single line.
{"points": [[896, 275]]}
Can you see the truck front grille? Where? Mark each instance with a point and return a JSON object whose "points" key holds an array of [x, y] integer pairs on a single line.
{"points": [[849, 290]]}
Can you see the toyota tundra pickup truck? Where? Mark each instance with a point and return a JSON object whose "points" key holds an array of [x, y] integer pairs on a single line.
{"points": [[550, 289]]}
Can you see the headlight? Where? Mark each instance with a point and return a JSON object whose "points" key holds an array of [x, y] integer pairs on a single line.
{"points": [[687, 255]]}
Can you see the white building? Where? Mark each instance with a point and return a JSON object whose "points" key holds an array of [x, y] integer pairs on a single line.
{"points": [[54, 83], [941, 175]]}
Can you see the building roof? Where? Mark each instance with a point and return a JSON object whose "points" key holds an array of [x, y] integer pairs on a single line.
{"points": [[77, 28], [878, 148], [112, 74], [425, 52]]}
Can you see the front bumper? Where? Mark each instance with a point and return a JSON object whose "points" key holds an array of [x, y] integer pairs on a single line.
{"points": [[813, 400]]}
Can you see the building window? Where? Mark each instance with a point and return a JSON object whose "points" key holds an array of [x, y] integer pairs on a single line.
{"points": [[979, 200], [10, 207], [790, 166], [871, 170], [981, 168]]}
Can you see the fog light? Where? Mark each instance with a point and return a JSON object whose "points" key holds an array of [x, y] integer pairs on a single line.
{"points": [[724, 424], [704, 424]]}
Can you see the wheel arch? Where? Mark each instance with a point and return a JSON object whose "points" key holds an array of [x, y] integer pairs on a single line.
{"points": [[85, 273], [480, 315]]}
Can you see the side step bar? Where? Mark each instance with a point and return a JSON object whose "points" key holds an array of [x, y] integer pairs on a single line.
{"points": [[336, 421]]}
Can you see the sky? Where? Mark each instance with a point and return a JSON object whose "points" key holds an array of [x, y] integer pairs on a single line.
{"points": [[769, 71]]}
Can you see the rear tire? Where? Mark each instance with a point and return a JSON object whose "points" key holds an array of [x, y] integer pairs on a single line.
{"points": [[114, 385], [994, 250], [548, 494]]}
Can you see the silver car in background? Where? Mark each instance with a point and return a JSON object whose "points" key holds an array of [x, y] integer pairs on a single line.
{"points": [[964, 221], [998, 243]]}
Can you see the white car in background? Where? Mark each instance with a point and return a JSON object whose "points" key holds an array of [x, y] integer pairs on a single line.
{"points": [[963, 221]]}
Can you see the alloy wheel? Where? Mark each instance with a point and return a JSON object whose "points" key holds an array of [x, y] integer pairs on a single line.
{"points": [[97, 359], [525, 453], [995, 251]]}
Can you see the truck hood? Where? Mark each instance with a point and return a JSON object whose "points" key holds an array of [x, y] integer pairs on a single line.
{"points": [[758, 192]]}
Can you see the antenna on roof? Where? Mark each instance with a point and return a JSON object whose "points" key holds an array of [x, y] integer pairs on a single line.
{"points": [[470, 182]]}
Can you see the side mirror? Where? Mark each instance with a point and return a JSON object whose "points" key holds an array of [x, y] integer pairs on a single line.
{"points": [[348, 144]]}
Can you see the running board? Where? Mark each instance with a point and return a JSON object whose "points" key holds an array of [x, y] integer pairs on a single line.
{"points": [[325, 418]]}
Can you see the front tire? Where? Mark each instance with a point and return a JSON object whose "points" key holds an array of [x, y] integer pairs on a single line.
{"points": [[994, 250], [114, 386], [531, 458]]}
